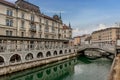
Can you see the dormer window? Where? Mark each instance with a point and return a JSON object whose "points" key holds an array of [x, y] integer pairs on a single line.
{"points": [[9, 12]]}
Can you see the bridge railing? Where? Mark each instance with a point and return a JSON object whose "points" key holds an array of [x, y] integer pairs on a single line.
{"points": [[107, 47], [29, 47]]}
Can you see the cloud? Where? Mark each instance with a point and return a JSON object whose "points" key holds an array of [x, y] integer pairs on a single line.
{"points": [[101, 26], [79, 32]]}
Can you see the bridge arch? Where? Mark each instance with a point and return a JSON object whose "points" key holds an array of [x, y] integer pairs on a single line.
{"points": [[15, 58], [29, 56], [55, 53], [40, 55], [60, 52], [48, 54], [1, 60]]}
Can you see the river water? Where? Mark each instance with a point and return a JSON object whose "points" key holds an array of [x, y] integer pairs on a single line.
{"points": [[78, 68]]}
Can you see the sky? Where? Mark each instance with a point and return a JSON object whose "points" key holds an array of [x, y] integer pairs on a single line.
{"points": [[84, 15]]}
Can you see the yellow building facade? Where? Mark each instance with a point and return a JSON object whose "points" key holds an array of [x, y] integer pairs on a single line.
{"points": [[108, 35]]}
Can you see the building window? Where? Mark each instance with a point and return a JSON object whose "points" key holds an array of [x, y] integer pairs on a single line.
{"points": [[22, 24], [9, 22], [32, 35], [52, 37], [40, 27], [46, 36], [32, 17], [46, 22], [40, 20], [40, 35], [53, 29], [9, 33], [46, 29], [22, 34], [22, 15], [9, 12]]}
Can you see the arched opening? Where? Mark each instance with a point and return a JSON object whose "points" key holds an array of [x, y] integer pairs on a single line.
{"points": [[66, 65], [15, 58], [40, 55], [61, 66], [55, 69], [48, 71], [40, 74], [65, 51], [61, 52], [48, 54], [55, 53], [69, 50], [1, 60], [29, 56]]}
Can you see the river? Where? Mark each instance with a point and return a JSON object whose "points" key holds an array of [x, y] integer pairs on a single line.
{"points": [[78, 68]]}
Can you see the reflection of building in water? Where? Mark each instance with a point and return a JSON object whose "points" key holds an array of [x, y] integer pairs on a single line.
{"points": [[49, 72]]}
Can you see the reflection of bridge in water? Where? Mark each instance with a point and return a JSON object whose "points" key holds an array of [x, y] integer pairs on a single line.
{"points": [[106, 50], [48, 72]]}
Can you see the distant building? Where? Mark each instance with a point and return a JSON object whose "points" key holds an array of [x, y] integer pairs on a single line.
{"points": [[77, 40], [83, 38], [67, 32], [88, 40], [108, 35]]}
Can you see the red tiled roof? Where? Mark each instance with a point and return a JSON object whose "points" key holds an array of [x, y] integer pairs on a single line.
{"points": [[66, 27], [7, 3]]}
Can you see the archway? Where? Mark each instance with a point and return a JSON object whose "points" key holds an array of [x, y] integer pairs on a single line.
{"points": [[1, 60], [15, 58], [60, 52], [69, 50], [65, 51], [48, 54], [29, 56], [55, 53], [40, 55]]}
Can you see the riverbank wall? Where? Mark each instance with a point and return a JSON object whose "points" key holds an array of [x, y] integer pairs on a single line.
{"points": [[115, 69], [19, 67]]}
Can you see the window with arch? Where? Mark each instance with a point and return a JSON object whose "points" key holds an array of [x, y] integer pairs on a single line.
{"points": [[1, 60], [60, 52], [48, 54], [15, 58], [55, 53], [29, 56], [40, 55]]}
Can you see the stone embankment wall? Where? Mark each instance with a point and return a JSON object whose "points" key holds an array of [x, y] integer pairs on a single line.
{"points": [[20, 67], [115, 69]]}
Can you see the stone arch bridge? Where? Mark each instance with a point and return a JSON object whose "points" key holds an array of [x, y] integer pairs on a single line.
{"points": [[105, 49]]}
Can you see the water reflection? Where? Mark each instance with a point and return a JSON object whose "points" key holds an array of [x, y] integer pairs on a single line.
{"points": [[54, 71]]}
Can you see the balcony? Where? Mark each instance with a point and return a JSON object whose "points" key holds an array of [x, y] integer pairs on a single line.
{"points": [[32, 29]]}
